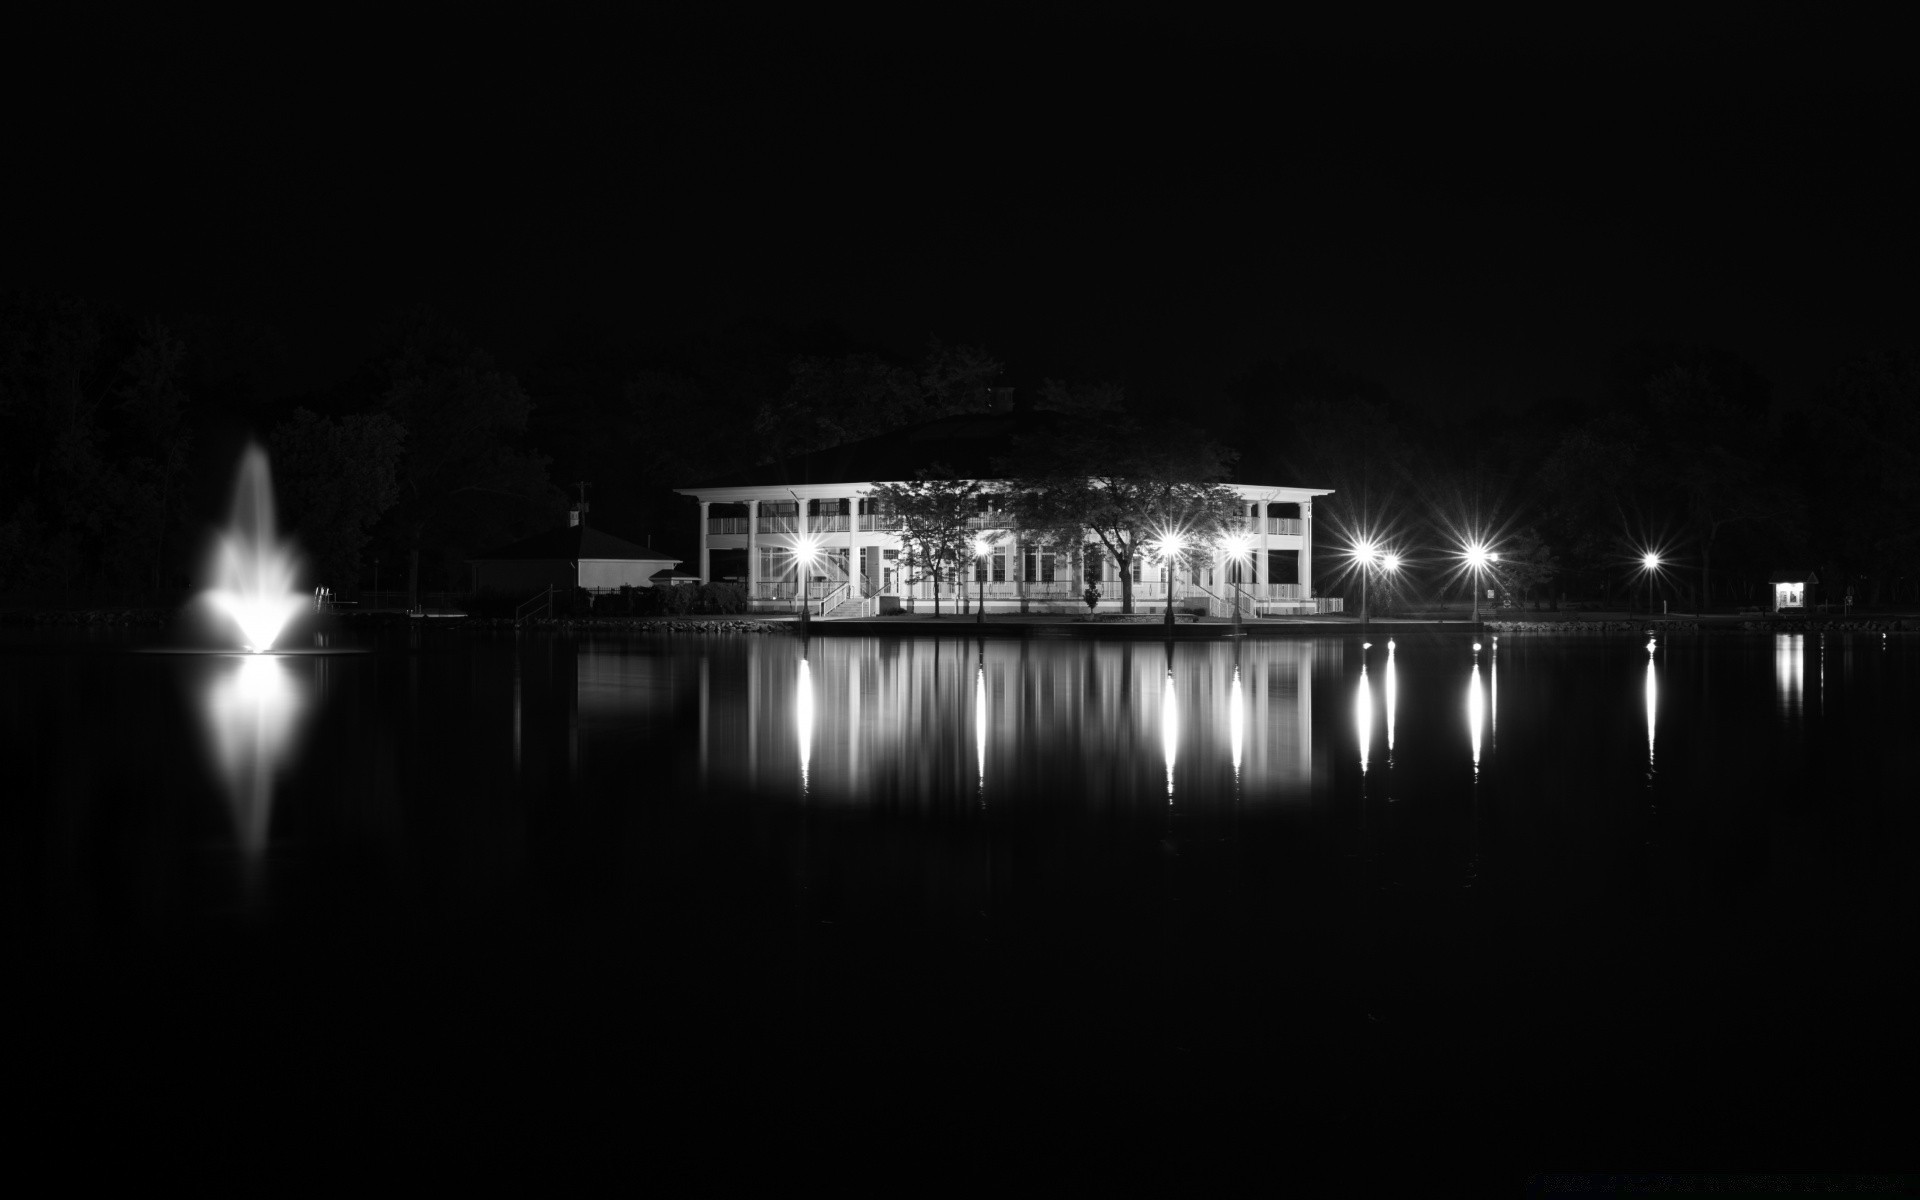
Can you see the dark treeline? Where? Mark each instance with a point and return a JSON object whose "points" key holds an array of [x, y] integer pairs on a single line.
{"points": [[119, 432]]}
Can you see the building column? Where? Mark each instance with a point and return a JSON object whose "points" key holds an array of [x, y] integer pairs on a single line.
{"points": [[1306, 550], [753, 551], [1265, 572], [853, 548], [706, 553]]}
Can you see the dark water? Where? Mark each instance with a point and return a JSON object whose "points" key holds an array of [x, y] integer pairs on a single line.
{"points": [[1079, 903]]}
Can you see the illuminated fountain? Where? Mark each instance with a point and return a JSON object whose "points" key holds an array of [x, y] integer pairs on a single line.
{"points": [[252, 569], [252, 705]]}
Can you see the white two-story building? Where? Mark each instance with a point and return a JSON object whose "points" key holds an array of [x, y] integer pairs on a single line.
{"points": [[750, 526]]}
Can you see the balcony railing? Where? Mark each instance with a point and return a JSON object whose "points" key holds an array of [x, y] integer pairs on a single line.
{"points": [[727, 524], [779, 523], [878, 522], [1285, 526]]}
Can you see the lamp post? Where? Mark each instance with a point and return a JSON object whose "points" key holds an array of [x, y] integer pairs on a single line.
{"points": [[805, 550], [1237, 546], [1650, 564], [981, 548], [1365, 553], [1478, 556], [1170, 544]]}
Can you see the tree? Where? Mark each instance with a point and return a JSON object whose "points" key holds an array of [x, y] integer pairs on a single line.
{"points": [[831, 400], [466, 482], [1863, 467], [1124, 480], [933, 514], [1712, 449], [336, 479]]}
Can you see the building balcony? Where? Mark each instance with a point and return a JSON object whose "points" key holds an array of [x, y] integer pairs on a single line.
{"points": [[726, 525]]}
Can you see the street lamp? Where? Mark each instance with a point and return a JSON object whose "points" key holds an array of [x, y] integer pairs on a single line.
{"points": [[1366, 553], [805, 551], [981, 548], [1649, 564], [1478, 558], [1170, 546], [1237, 546]]}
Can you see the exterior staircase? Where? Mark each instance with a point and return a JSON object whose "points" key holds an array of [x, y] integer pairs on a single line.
{"points": [[854, 607]]}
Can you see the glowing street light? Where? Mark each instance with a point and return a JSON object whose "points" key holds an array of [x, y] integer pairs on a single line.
{"points": [[1371, 558], [806, 551], [981, 548], [1649, 564], [1168, 547], [1479, 559], [1236, 546]]}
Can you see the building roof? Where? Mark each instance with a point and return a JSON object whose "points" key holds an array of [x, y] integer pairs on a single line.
{"points": [[969, 444], [572, 544], [1793, 577]]}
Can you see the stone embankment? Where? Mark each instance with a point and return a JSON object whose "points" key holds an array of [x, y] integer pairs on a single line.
{"points": [[637, 624], [1843, 625], [1634, 627]]}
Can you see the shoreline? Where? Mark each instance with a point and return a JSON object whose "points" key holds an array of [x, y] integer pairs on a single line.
{"points": [[1024, 625]]}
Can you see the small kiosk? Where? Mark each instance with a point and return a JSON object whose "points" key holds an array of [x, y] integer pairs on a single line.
{"points": [[1793, 590]]}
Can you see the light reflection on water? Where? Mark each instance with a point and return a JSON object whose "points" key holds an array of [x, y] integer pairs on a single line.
{"points": [[1363, 712], [252, 706], [803, 720], [1653, 704], [1476, 711], [1237, 720], [1789, 671], [863, 720], [1392, 697], [979, 724]]}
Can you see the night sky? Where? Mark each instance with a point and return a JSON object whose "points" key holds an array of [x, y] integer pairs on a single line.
{"points": [[1473, 216]]}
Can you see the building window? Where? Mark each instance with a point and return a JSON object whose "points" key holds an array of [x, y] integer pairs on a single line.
{"points": [[999, 568]]}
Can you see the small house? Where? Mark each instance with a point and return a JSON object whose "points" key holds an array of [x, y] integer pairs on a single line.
{"points": [[1792, 590], [577, 556]]}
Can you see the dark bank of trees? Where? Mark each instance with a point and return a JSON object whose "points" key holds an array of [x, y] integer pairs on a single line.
{"points": [[118, 434]]}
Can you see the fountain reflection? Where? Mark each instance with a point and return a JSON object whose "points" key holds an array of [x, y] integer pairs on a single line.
{"points": [[1363, 710], [252, 706], [1789, 657]]}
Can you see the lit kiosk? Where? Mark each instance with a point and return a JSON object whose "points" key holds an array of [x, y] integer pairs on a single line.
{"points": [[1792, 590]]}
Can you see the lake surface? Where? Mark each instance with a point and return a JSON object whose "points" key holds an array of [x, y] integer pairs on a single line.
{"points": [[1563, 903]]}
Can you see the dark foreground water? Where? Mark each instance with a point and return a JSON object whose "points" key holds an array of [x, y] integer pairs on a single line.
{"points": [[742, 908]]}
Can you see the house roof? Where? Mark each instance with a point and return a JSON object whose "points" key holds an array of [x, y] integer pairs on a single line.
{"points": [[968, 443], [1793, 577], [572, 544]]}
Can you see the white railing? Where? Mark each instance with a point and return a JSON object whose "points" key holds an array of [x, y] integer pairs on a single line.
{"points": [[787, 523], [1285, 526], [878, 522], [831, 523], [727, 524], [819, 607]]}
